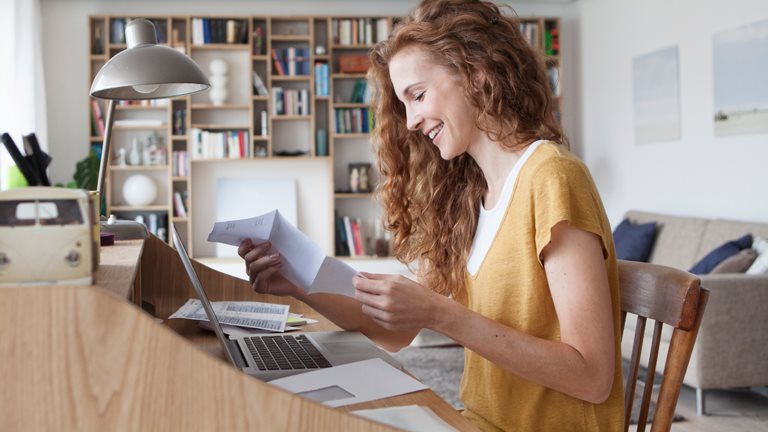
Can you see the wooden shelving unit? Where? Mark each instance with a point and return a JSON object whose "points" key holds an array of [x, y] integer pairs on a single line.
{"points": [[313, 132]]}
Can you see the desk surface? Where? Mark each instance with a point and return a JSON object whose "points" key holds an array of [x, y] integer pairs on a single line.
{"points": [[167, 290]]}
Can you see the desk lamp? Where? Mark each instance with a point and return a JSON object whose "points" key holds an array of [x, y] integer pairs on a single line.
{"points": [[144, 70]]}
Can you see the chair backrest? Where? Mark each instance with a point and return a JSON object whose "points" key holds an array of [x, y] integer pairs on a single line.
{"points": [[668, 297]]}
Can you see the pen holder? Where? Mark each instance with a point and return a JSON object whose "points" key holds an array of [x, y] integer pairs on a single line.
{"points": [[16, 178]]}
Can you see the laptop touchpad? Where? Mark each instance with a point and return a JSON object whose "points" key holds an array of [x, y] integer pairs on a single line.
{"points": [[349, 347]]}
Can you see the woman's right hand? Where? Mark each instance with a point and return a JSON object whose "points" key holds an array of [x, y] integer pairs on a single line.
{"points": [[262, 266]]}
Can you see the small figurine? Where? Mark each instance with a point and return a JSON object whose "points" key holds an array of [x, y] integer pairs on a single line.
{"points": [[364, 179], [354, 180]]}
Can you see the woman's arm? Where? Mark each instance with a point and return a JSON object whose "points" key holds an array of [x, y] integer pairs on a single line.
{"points": [[347, 313], [581, 364]]}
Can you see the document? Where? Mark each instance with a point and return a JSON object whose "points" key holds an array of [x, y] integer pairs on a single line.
{"points": [[413, 418], [351, 383], [264, 316], [304, 263]]}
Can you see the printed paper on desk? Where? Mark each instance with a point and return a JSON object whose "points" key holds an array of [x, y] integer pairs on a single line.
{"points": [[304, 263], [351, 383], [265, 316]]}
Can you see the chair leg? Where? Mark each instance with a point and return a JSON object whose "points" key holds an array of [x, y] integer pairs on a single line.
{"points": [[700, 407]]}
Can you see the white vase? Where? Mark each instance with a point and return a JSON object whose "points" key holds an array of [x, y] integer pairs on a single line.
{"points": [[134, 157]]}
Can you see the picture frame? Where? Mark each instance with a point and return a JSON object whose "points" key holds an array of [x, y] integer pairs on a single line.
{"points": [[360, 177]]}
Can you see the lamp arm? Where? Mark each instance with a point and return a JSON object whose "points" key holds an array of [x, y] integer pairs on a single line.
{"points": [[105, 146]]}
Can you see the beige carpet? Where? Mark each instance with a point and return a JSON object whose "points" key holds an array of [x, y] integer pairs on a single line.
{"points": [[441, 367]]}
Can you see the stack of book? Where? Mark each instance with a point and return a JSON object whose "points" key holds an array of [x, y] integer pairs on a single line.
{"points": [[231, 144]]}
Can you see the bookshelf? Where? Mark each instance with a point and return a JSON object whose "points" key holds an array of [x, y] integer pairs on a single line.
{"points": [[543, 33], [294, 92]]}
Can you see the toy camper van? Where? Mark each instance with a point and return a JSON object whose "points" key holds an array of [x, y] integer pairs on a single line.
{"points": [[47, 236]]}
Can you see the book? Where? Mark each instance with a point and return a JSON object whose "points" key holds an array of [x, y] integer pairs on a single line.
{"points": [[348, 234], [258, 85], [278, 62], [97, 120], [358, 238], [178, 205]]}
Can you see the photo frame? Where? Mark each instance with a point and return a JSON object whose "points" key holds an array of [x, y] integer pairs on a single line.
{"points": [[360, 177]]}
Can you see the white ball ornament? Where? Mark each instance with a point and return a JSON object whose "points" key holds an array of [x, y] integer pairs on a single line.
{"points": [[139, 190]]}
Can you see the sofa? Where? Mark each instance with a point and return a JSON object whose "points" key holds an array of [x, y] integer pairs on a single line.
{"points": [[732, 345]]}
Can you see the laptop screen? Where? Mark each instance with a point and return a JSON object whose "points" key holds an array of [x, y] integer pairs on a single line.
{"points": [[198, 287]]}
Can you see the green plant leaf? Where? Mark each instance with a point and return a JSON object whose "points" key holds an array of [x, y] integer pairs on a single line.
{"points": [[87, 172]]}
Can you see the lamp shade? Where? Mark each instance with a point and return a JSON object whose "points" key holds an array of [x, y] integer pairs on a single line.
{"points": [[145, 70]]}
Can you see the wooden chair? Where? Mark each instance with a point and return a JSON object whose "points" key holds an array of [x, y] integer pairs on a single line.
{"points": [[666, 296]]}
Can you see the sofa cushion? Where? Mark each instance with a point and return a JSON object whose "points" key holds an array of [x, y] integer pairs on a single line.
{"points": [[760, 266], [719, 231], [738, 263], [677, 238], [719, 254], [634, 241]]}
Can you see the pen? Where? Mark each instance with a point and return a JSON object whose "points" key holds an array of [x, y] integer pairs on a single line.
{"points": [[40, 159], [24, 167]]}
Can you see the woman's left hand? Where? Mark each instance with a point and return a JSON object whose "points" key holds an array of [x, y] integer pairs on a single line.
{"points": [[396, 302]]}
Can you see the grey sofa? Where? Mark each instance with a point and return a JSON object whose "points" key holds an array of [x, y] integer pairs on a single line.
{"points": [[732, 346]]}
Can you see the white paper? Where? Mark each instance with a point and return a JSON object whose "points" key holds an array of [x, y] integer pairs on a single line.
{"points": [[413, 418], [304, 263], [361, 381], [236, 331], [265, 316]]}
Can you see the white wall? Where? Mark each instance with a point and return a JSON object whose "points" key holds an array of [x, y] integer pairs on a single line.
{"points": [[65, 37], [698, 175]]}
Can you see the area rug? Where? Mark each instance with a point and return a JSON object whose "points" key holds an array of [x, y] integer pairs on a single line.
{"points": [[441, 367]]}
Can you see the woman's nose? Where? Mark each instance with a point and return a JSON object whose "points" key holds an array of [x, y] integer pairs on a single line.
{"points": [[413, 120]]}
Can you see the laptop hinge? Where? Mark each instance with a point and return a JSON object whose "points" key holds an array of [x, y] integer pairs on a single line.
{"points": [[237, 355]]}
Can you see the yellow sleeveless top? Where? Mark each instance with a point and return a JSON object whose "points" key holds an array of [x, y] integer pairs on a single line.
{"points": [[511, 287]]}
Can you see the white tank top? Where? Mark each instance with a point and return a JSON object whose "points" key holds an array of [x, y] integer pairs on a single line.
{"points": [[489, 221]]}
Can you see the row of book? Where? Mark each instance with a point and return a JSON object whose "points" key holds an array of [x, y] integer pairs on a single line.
{"points": [[350, 240], [552, 41], [291, 61], [359, 31], [97, 120], [180, 163], [322, 79], [551, 37], [180, 203], [219, 31], [290, 101], [530, 32], [230, 144], [353, 120], [144, 103], [360, 92], [180, 122]]}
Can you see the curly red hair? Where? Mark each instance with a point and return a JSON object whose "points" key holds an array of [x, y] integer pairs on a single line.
{"points": [[431, 205]]}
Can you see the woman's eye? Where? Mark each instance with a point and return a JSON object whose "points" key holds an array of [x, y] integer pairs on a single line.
{"points": [[419, 97]]}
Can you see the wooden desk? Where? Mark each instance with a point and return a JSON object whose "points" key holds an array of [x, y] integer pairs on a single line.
{"points": [[83, 358]]}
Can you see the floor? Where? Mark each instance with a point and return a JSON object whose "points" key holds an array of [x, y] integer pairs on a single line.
{"points": [[728, 410]]}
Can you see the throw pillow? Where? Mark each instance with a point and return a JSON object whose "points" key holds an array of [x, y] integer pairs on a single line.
{"points": [[760, 266], [634, 241], [760, 245], [738, 263], [720, 253]]}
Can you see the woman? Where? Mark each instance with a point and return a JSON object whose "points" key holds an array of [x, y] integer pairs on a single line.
{"points": [[514, 251]]}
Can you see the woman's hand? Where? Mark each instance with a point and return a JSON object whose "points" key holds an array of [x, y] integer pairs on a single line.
{"points": [[396, 302], [262, 266]]}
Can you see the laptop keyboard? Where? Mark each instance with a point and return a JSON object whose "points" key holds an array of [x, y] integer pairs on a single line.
{"points": [[285, 352]]}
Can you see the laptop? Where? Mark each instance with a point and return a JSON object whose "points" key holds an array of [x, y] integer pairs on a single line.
{"points": [[278, 355]]}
